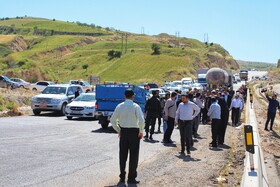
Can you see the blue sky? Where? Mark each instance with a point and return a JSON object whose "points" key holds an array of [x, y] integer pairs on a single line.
{"points": [[248, 29]]}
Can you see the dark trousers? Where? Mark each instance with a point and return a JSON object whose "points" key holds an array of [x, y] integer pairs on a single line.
{"points": [[129, 141], [185, 127], [222, 128], [214, 129], [159, 122], [235, 116], [150, 121], [196, 122], [204, 115], [170, 127], [270, 117]]}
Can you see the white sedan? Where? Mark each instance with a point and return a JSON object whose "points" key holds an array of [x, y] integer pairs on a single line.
{"points": [[82, 107], [198, 86], [161, 92]]}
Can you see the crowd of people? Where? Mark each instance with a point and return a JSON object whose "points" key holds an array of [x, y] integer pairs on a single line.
{"points": [[189, 110]]}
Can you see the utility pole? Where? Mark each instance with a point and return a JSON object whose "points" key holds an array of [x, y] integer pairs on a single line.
{"points": [[122, 42], [142, 30], [126, 35]]}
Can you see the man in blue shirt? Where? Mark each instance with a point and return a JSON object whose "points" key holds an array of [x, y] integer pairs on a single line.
{"points": [[215, 115], [273, 105]]}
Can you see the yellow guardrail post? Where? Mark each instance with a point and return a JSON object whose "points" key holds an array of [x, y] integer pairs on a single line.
{"points": [[249, 142]]}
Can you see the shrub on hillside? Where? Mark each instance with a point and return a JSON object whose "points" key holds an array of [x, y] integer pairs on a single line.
{"points": [[114, 54], [156, 49]]}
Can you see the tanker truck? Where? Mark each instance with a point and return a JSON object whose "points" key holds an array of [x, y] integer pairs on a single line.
{"points": [[217, 77]]}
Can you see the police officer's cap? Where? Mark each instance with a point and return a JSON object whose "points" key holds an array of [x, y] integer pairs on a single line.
{"points": [[128, 93]]}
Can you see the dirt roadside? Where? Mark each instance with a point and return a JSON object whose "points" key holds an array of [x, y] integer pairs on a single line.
{"points": [[204, 167], [270, 141]]}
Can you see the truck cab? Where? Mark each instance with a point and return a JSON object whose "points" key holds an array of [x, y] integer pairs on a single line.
{"points": [[108, 96]]}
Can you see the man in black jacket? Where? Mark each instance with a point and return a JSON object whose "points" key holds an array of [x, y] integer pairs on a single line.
{"points": [[273, 105], [153, 111]]}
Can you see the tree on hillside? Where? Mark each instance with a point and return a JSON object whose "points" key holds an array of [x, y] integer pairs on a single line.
{"points": [[85, 66], [156, 49], [278, 64], [112, 54]]}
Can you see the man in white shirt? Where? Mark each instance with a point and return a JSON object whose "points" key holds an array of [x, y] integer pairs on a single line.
{"points": [[128, 121], [215, 115], [185, 114], [236, 106]]}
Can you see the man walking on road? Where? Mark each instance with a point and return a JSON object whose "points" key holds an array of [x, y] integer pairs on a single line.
{"points": [[273, 105], [215, 115], [153, 110], [128, 121], [170, 113], [185, 114]]}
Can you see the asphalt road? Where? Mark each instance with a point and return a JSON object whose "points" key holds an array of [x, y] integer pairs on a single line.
{"points": [[50, 150]]}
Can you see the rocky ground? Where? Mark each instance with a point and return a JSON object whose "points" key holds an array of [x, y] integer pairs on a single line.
{"points": [[270, 141]]}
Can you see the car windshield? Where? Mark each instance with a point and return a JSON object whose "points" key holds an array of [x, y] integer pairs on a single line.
{"points": [[187, 82], [6, 78], [54, 90], [86, 97], [176, 84], [86, 84]]}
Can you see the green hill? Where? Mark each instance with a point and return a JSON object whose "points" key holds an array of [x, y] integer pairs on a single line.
{"points": [[37, 49]]}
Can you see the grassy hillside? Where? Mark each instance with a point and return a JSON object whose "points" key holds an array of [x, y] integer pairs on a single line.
{"points": [[255, 65], [61, 57]]}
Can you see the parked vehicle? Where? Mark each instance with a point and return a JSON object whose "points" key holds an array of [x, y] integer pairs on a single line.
{"points": [[22, 83], [83, 106], [197, 86], [84, 84], [186, 80], [147, 86], [217, 77], [108, 96], [40, 86], [54, 98], [243, 75], [176, 85], [5, 82], [166, 86], [201, 78], [161, 92]]}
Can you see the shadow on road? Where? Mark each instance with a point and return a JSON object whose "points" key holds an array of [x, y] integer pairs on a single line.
{"points": [[187, 158], [48, 114], [108, 130], [275, 134], [121, 184], [150, 141]]}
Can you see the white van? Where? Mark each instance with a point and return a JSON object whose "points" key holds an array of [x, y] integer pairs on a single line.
{"points": [[186, 80]]}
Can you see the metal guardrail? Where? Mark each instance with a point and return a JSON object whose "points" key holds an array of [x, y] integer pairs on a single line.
{"points": [[254, 175]]}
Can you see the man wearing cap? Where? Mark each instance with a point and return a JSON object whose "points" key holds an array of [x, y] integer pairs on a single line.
{"points": [[128, 121], [185, 114], [273, 105]]}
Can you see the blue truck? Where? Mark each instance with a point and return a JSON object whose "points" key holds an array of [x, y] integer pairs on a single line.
{"points": [[108, 96]]}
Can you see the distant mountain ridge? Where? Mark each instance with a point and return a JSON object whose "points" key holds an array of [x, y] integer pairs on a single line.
{"points": [[255, 65], [37, 49]]}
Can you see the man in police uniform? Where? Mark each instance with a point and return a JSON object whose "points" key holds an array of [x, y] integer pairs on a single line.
{"points": [[128, 121]]}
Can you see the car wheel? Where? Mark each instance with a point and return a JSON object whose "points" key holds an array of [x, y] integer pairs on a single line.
{"points": [[36, 112], [21, 86], [34, 89], [69, 117], [62, 111]]}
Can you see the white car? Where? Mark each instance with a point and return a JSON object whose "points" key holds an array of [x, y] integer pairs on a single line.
{"points": [[40, 86], [82, 106], [22, 83], [161, 92], [198, 86]]}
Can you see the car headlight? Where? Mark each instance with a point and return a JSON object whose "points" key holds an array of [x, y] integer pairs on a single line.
{"points": [[55, 101]]}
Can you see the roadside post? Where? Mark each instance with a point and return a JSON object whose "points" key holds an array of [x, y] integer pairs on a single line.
{"points": [[249, 142]]}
